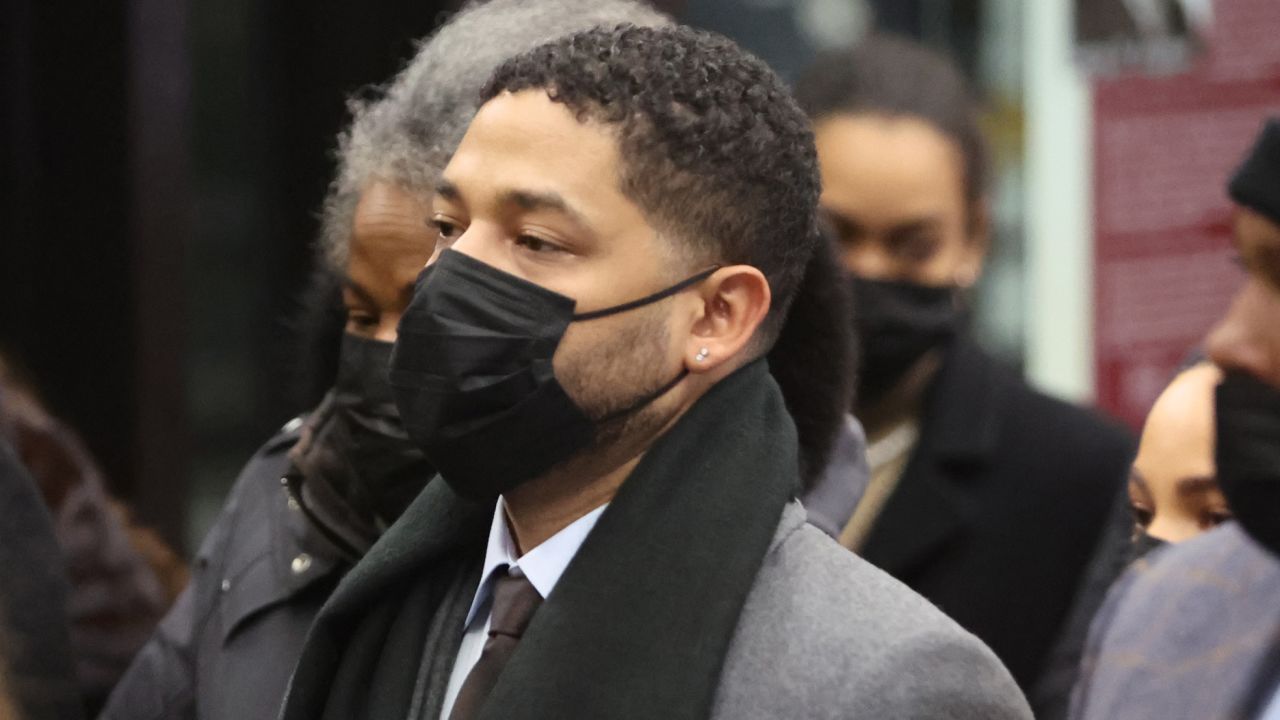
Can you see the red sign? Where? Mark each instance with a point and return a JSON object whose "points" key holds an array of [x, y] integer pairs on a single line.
{"points": [[1164, 148]]}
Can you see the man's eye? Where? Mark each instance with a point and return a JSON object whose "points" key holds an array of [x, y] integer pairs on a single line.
{"points": [[447, 231], [850, 240], [1141, 515], [1263, 262], [916, 248], [1214, 518], [361, 319], [839, 229], [536, 244], [1268, 266]]}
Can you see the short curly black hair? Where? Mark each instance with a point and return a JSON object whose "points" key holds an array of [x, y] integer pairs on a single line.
{"points": [[714, 150], [896, 77]]}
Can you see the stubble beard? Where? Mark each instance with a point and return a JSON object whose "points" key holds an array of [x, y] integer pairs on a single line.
{"points": [[614, 386]]}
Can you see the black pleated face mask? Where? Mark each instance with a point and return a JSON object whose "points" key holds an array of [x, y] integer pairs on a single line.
{"points": [[473, 376], [355, 443], [1144, 544], [1247, 419], [897, 323]]}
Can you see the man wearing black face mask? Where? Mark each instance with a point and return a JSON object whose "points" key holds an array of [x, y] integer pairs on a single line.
{"points": [[318, 495], [614, 534], [1195, 633], [986, 496]]}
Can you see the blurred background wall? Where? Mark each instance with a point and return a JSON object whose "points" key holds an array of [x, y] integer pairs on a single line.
{"points": [[164, 160]]}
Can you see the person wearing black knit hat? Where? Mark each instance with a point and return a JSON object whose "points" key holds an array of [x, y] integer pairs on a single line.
{"points": [[1219, 590], [1256, 185]]}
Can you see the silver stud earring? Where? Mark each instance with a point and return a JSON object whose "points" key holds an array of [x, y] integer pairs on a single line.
{"points": [[702, 355]]}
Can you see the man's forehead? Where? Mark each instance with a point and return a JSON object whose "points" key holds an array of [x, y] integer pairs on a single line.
{"points": [[525, 150], [528, 127], [535, 122]]}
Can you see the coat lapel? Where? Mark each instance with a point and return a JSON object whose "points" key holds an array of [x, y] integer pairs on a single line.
{"points": [[932, 504]]}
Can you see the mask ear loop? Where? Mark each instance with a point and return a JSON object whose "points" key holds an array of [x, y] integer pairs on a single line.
{"points": [[648, 299], [684, 372], [645, 400]]}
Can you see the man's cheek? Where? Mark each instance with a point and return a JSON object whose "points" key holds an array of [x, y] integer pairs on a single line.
{"points": [[566, 359]]}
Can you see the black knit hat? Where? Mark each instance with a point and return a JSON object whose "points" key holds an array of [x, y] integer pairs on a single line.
{"points": [[1256, 184]]}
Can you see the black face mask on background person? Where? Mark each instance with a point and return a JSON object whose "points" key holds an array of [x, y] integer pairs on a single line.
{"points": [[1247, 419], [358, 469], [473, 376], [897, 324], [1142, 544]]}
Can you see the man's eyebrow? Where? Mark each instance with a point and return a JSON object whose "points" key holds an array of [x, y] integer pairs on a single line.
{"points": [[523, 199], [535, 200], [1192, 485], [908, 230], [531, 200], [447, 190], [916, 224], [842, 225]]}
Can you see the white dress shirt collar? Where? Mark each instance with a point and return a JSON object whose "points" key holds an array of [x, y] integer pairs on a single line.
{"points": [[543, 565]]}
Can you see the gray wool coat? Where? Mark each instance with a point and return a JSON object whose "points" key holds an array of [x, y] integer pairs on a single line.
{"points": [[826, 635]]}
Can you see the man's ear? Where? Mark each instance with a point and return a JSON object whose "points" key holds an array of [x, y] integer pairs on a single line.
{"points": [[735, 301], [978, 242]]}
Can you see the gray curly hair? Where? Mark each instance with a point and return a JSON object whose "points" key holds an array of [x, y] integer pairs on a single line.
{"points": [[407, 131]]}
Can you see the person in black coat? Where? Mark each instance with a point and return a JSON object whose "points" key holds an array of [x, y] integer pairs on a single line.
{"points": [[986, 496]]}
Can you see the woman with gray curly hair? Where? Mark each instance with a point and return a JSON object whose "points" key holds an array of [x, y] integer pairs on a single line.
{"points": [[319, 493]]}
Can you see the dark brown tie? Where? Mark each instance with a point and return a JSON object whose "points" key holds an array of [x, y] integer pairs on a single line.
{"points": [[514, 602]]}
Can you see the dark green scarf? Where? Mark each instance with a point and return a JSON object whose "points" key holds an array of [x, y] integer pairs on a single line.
{"points": [[640, 622]]}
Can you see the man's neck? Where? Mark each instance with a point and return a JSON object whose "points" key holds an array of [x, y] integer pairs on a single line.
{"points": [[539, 509], [542, 507]]}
